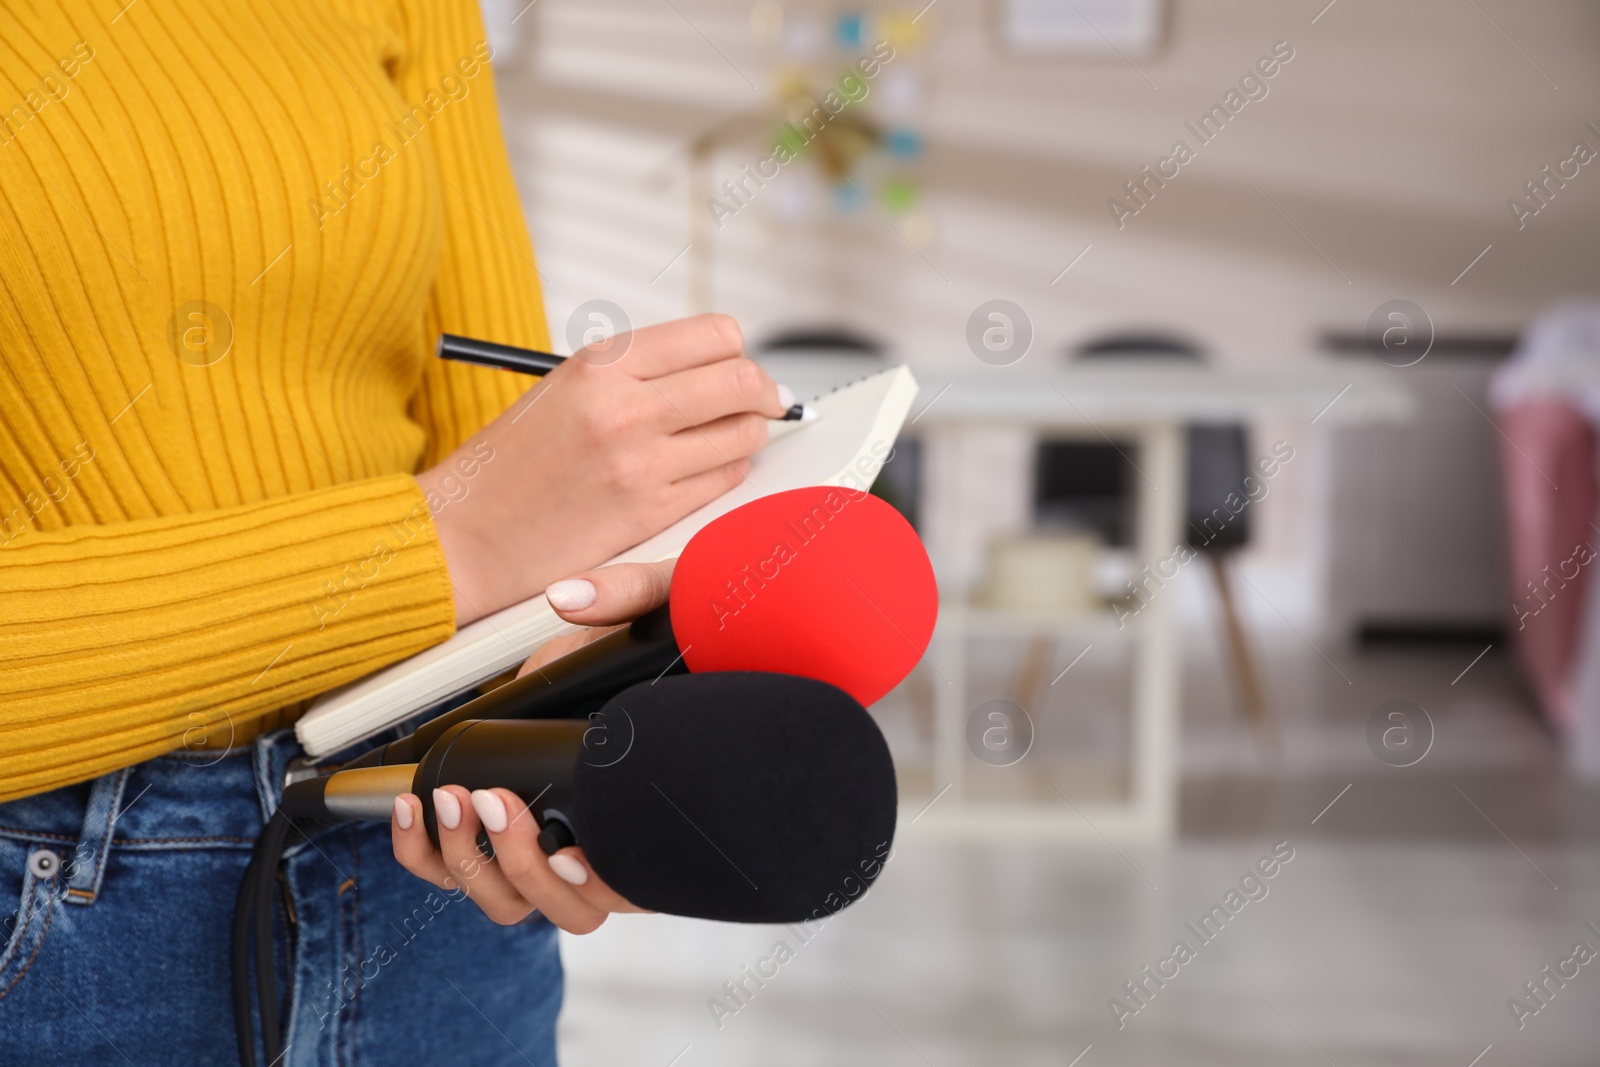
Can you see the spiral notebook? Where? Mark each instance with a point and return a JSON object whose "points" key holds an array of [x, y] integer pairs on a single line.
{"points": [[846, 445]]}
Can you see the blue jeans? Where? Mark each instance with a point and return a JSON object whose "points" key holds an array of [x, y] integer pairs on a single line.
{"points": [[118, 948]]}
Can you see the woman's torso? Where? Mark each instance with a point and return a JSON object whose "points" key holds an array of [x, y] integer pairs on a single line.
{"points": [[218, 232]]}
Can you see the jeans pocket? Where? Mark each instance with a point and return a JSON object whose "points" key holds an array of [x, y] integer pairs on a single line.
{"points": [[29, 874]]}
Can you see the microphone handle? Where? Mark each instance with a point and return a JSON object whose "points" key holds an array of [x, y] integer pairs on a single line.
{"points": [[534, 758], [572, 687]]}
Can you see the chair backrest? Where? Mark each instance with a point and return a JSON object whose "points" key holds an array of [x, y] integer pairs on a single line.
{"points": [[1217, 510], [1085, 485], [1218, 460], [1138, 344], [823, 341]]}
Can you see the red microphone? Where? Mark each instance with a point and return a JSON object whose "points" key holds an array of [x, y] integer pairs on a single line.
{"points": [[828, 583], [822, 582]]}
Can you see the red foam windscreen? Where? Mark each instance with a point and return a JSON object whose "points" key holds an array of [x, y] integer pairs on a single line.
{"points": [[822, 582]]}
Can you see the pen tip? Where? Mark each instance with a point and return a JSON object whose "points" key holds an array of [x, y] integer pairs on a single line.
{"points": [[808, 414]]}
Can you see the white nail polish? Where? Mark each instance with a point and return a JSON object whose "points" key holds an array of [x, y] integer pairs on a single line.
{"points": [[571, 594], [569, 869], [490, 810], [446, 809], [402, 813], [785, 396]]}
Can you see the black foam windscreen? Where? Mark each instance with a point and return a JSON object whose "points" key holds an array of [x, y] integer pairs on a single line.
{"points": [[738, 796]]}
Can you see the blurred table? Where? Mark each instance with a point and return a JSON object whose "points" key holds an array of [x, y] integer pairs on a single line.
{"points": [[1148, 403]]}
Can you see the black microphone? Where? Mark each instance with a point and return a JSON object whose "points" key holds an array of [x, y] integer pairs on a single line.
{"points": [[738, 796]]}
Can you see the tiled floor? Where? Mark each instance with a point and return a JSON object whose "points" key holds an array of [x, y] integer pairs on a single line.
{"points": [[1411, 911]]}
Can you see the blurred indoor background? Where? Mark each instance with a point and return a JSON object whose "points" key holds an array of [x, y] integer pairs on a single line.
{"points": [[1329, 372]]}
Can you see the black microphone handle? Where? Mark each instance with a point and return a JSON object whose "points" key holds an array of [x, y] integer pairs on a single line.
{"points": [[534, 758], [572, 687]]}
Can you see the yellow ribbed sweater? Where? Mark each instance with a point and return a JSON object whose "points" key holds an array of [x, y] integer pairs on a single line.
{"points": [[229, 235]]}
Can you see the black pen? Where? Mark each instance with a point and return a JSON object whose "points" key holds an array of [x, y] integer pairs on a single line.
{"points": [[530, 361]]}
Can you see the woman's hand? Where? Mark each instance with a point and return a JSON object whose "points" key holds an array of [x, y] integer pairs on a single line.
{"points": [[603, 600], [598, 456], [521, 877]]}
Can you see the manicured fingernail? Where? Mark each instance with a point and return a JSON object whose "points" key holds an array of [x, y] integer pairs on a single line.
{"points": [[402, 813], [568, 869], [490, 810], [571, 594], [785, 396], [447, 808]]}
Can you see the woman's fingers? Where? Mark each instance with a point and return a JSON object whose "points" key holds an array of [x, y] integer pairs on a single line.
{"points": [[411, 844], [515, 836], [702, 448], [485, 882], [706, 393], [572, 867], [699, 489], [652, 351], [518, 879], [610, 595]]}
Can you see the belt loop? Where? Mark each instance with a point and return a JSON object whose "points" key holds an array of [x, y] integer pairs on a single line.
{"points": [[88, 860], [268, 757]]}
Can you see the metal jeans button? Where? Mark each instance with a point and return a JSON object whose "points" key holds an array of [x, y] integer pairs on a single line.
{"points": [[43, 863]]}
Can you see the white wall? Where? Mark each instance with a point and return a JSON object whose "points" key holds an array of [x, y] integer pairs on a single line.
{"points": [[1387, 147], [1392, 140]]}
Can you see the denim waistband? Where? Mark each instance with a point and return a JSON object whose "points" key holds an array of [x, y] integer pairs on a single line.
{"points": [[184, 800]]}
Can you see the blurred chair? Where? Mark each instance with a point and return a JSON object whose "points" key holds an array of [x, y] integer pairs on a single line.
{"points": [[1087, 484], [823, 339]]}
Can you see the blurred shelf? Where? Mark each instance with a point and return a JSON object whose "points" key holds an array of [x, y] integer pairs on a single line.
{"points": [[1037, 779], [977, 620], [1322, 391], [1060, 823]]}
